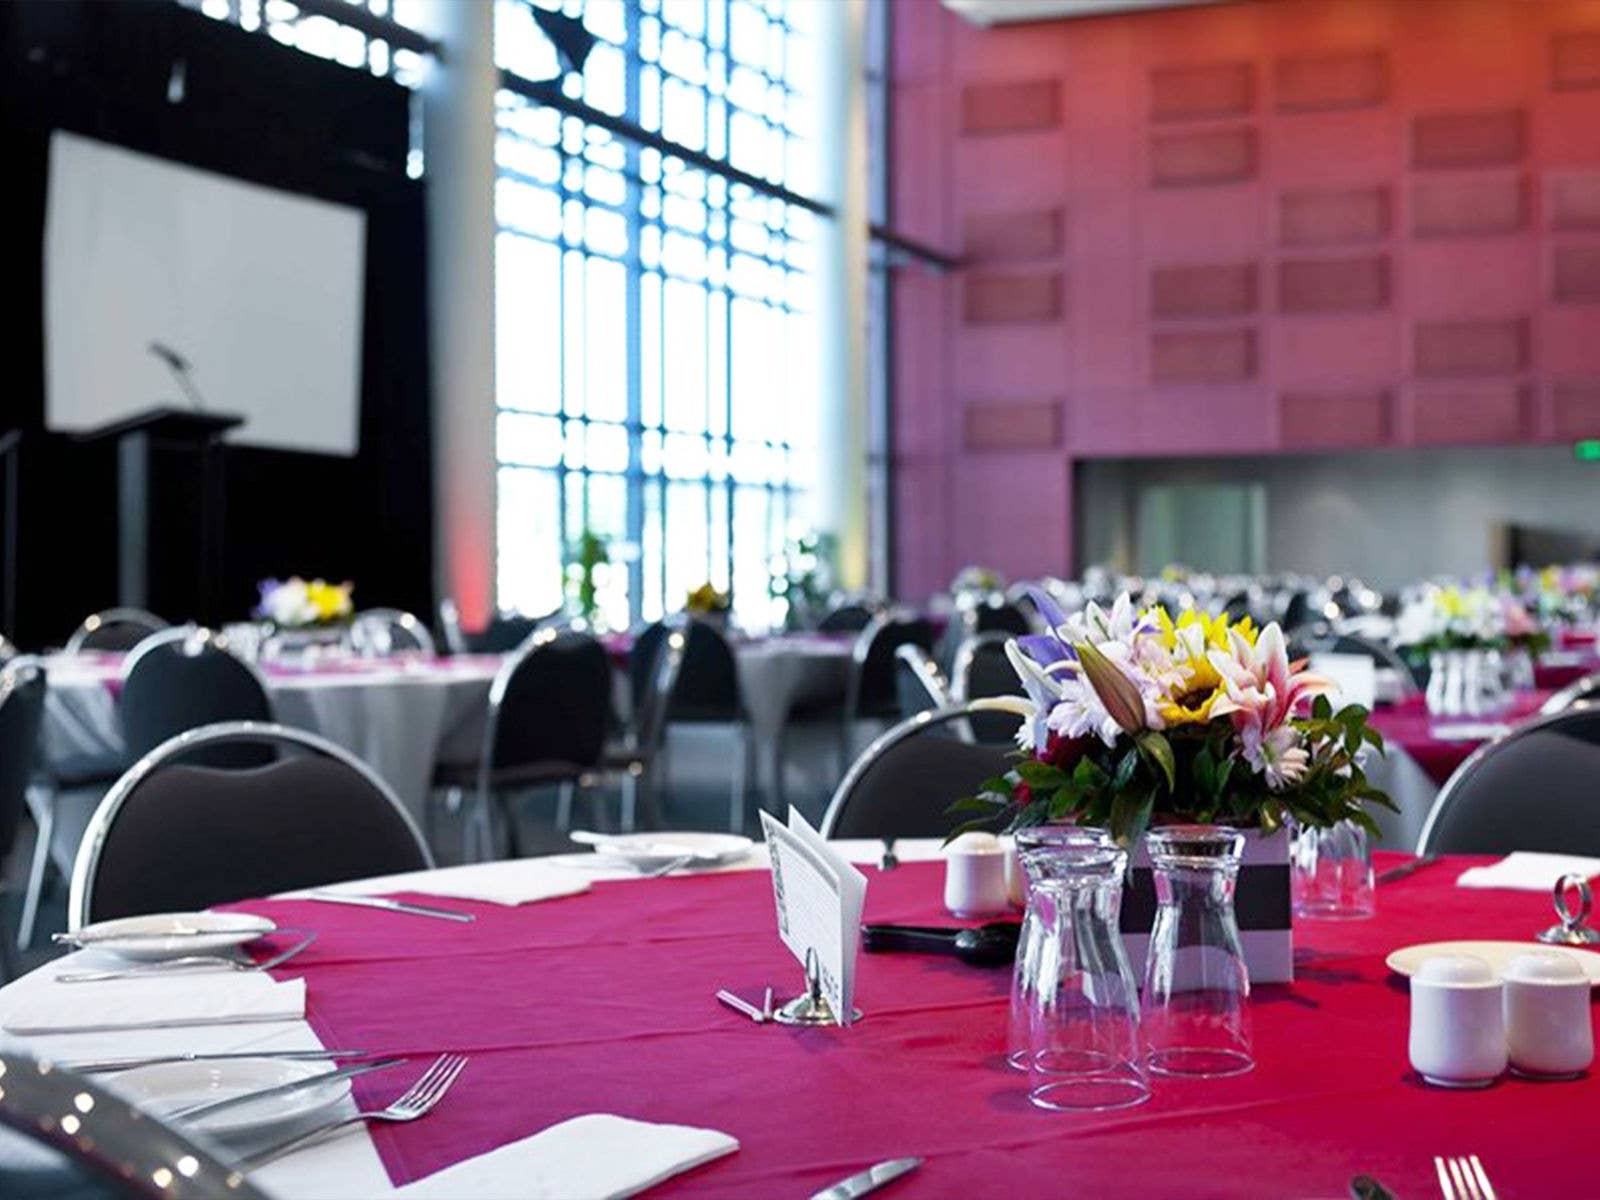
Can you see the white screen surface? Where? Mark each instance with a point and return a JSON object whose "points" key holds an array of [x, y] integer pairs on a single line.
{"points": [[259, 289]]}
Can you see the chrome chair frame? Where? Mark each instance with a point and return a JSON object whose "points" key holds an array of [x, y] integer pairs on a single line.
{"points": [[94, 622], [391, 619], [927, 673], [1577, 692]]}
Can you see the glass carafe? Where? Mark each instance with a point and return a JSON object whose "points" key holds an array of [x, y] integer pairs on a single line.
{"points": [[1196, 1011]]}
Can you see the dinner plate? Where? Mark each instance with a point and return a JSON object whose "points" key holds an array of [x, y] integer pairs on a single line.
{"points": [[142, 938], [1406, 960], [163, 1088], [648, 851]]}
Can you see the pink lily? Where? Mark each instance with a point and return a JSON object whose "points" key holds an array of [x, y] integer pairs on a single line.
{"points": [[1263, 689]]}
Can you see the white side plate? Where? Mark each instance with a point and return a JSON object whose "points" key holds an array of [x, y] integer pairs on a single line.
{"points": [[186, 934], [166, 1087], [1498, 955]]}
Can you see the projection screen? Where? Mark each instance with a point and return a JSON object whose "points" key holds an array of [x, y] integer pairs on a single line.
{"points": [[259, 289]]}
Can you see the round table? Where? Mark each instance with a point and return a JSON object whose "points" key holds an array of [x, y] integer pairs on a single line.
{"points": [[602, 1002]]}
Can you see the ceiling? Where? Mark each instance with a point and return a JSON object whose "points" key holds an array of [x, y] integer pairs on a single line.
{"points": [[999, 12]]}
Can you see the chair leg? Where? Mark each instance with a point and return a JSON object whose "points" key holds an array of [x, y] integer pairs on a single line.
{"points": [[45, 816], [564, 806], [630, 801], [508, 809], [741, 771]]}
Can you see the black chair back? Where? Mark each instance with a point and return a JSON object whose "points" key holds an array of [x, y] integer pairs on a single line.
{"points": [[708, 682], [504, 633], [179, 680], [657, 704], [114, 629], [918, 685], [904, 782], [847, 618], [1533, 789], [22, 686], [171, 836], [550, 704], [983, 670], [872, 678]]}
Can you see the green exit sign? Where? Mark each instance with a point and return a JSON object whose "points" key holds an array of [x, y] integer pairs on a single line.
{"points": [[1587, 450]]}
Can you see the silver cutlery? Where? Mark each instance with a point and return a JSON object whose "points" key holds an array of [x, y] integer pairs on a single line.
{"points": [[97, 1066], [622, 864], [417, 1101], [210, 1107], [738, 1005], [1410, 868], [766, 1004], [1463, 1178], [191, 965], [870, 1180], [1365, 1187], [387, 905]]}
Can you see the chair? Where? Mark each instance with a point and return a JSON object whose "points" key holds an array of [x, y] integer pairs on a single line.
{"points": [[22, 689], [548, 710], [181, 679], [982, 670], [172, 835], [455, 641], [918, 684], [904, 782], [379, 632], [630, 762], [846, 618], [1533, 789], [504, 633], [992, 615], [114, 629], [1318, 639], [106, 1147], [871, 693], [1587, 688]]}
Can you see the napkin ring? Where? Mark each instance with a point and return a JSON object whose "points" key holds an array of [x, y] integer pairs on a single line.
{"points": [[1571, 931]]}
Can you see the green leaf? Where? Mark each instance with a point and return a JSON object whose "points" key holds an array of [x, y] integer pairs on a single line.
{"points": [[1040, 776], [1205, 771], [1322, 708], [1089, 774], [1125, 769], [1130, 816], [1158, 750], [983, 804]]}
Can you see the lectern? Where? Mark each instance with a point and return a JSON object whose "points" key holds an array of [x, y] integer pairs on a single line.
{"points": [[169, 508]]}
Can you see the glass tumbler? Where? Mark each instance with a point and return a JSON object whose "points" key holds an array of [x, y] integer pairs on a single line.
{"points": [[1196, 1011], [1083, 1050], [1330, 873], [1043, 842]]}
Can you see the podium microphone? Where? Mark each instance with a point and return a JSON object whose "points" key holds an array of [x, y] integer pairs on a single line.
{"points": [[181, 370]]}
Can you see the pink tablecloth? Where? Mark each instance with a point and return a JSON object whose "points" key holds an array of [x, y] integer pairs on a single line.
{"points": [[1409, 726], [603, 1003]]}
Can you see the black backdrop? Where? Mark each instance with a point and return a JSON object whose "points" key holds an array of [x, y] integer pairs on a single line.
{"points": [[259, 111]]}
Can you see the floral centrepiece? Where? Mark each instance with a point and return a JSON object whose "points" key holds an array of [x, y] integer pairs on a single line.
{"points": [[707, 600], [1134, 717], [295, 603], [1453, 618]]}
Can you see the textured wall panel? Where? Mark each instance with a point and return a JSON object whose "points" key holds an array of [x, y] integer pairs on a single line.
{"points": [[1013, 235], [1575, 274], [1214, 90], [1226, 356], [1471, 347], [1483, 139], [991, 298], [1225, 290], [1311, 285], [1574, 201], [1469, 413], [1575, 408], [1319, 218], [1196, 159], [1575, 60], [1457, 207], [1311, 420], [1010, 107], [1331, 81], [1012, 425]]}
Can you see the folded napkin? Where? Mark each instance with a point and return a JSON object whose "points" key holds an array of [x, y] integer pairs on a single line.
{"points": [[1527, 871], [1469, 731], [209, 999], [594, 1157], [518, 881]]}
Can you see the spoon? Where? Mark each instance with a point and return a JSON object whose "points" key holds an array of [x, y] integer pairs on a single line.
{"points": [[991, 945]]}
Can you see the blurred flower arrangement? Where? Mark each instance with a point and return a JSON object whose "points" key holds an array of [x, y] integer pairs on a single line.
{"points": [[706, 600], [1560, 595], [802, 577], [1134, 717], [1453, 618], [294, 603], [973, 580], [588, 552]]}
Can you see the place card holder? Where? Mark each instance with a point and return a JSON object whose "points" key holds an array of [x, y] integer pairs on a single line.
{"points": [[1571, 931], [811, 1007]]}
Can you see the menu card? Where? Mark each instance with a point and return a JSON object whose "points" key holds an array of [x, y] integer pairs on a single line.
{"points": [[819, 897]]}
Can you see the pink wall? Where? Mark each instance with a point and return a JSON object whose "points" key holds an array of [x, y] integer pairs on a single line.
{"points": [[1263, 226]]}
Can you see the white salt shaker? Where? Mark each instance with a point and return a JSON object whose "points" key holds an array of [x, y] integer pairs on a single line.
{"points": [[1548, 1029], [1458, 1033], [975, 876], [1016, 877]]}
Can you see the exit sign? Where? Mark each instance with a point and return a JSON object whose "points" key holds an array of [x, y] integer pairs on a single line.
{"points": [[1587, 450]]}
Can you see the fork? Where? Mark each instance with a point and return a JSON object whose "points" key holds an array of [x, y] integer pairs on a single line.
{"points": [[193, 964], [1463, 1178], [417, 1101]]}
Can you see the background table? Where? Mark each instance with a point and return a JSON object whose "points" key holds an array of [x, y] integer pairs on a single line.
{"points": [[603, 1003]]}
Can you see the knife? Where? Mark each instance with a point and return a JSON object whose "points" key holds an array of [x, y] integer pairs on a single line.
{"points": [[399, 906], [870, 1180], [195, 1112], [1404, 869], [95, 1066], [1365, 1187]]}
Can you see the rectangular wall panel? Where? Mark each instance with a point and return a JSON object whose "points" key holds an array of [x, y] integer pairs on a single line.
{"points": [[1010, 107], [1575, 275], [1214, 90], [1575, 60], [1466, 414], [1466, 207], [1320, 82], [1471, 347], [1015, 235], [991, 298], [1325, 217], [1012, 425], [1574, 201], [1312, 285], [1225, 290], [1226, 356], [1314, 420], [1483, 139], [1575, 408], [1197, 159]]}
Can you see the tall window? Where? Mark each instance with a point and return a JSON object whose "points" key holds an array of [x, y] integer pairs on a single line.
{"points": [[655, 337]]}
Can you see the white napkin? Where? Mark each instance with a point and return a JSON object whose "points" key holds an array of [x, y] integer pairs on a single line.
{"points": [[208, 999], [518, 881], [593, 1157], [1527, 871], [1469, 731]]}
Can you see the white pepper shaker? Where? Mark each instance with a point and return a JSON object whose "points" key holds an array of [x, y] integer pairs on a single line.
{"points": [[1458, 1033], [1549, 1034], [975, 876]]}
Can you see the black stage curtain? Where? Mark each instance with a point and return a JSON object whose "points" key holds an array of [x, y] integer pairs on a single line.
{"points": [[262, 112]]}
